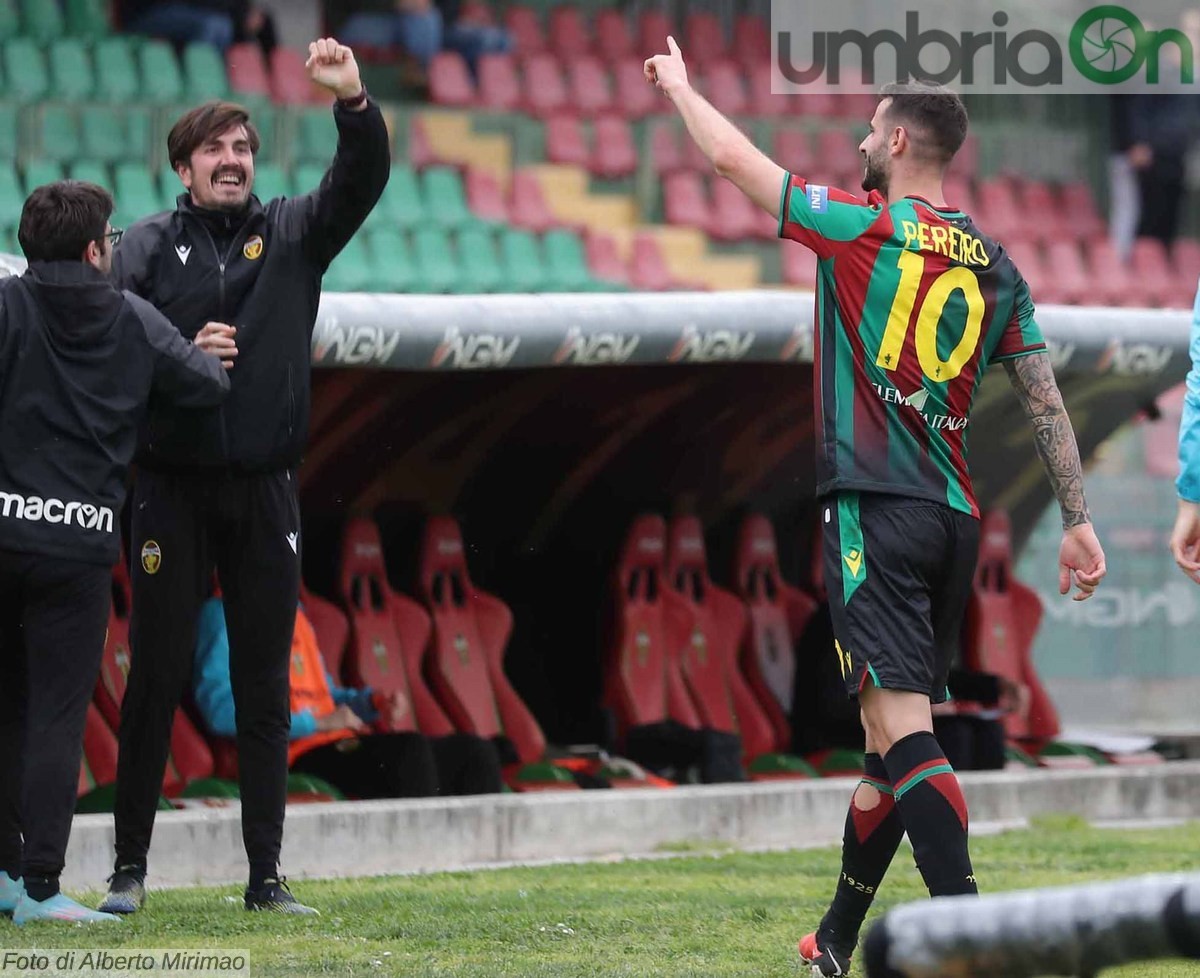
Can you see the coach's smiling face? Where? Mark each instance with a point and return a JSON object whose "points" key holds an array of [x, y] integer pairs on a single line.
{"points": [[220, 173]]}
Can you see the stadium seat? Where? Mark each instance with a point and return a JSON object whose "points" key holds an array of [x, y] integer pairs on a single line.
{"points": [[708, 635], [401, 205], [568, 33], [779, 613], [71, 75], [1071, 278], [1185, 257], [999, 208], [392, 266], [653, 26], [566, 264], [290, 83], [479, 261], [793, 151], [1152, 269], [477, 12], [614, 154], [798, 265], [332, 628], [41, 21], [136, 192], [499, 86], [632, 96], [735, 217], [271, 181], [817, 102], [1043, 283], [162, 81], [247, 71], [485, 199], [40, 172], [704, 38], [958, 193], [665, 153], [529, 209], [521, 261], [26, 78], [389, 632], [450, 82], [613, 40], [544, 86], [604, 261], [10, 134], [466, 666], [723, 87], [648, 268], [113, 133], [316, 139], [87, 18], [118, 80], [437, 268], [837, 149], [588, 83], [98, 763], [58, 133], [1113, 281], [93, 171], [350, 271], [751, 41], [1086, 224], [445, 199], [685, 202], [525, 29], [308, 176], [10, 23], [1038, 197], [565, 142]]}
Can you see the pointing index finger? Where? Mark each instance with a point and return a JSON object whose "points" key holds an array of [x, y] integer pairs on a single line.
{"points": [[672, 46]]}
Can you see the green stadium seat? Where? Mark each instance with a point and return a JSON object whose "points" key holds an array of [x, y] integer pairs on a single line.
{"points": [[521, 262], [93, 171], [163, 82], [204, 73], [10, 132], [12, 197], [266, 120], [8, 241], [58, 133], [437, 268], [445, 198], [26, 78], [71, 77], [169, 184], [10, 24], [271, 181], [316, 137], [136, 192], [87, 18], [566, 263], [401, 205], [392, 267], [111, 133], [481, 271], [42, 20], [351, 269], [308, 176], [41, 172], [116, 71]]}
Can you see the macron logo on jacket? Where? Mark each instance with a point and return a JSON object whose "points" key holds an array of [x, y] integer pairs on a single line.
{"points": [[14, 506]]}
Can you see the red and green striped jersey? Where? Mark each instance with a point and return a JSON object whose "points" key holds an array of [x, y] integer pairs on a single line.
{"points": [[913, 303]]}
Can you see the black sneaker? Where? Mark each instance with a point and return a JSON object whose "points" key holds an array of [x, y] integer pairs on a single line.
{"points": [[275, 896], [126, 891]]}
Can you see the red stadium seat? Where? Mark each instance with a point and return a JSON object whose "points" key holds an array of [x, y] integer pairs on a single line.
{"points": [[420, 149], [1043, 284], [713, 623], [529, 209], [484, 196], [389, 633], [604, 261], [1152, 269], [751, 41], [568, 34], [290, 83], [449, 81], [703, 38], [778, 614], [666, 156], [247, 70], [1113, 281], [614, 154], [1185, 256], [470, 636], [332, 629], [499, 86], [684, 201], [799, 265], [966, 161], [613, 40], [817, 102], [653, 26], [648, 270], [837, 150], [635, 98], [565, 142], [544, 86], [1085, 224], [793, 152], [734, 215], [723, 87], [1071, 276], [999, 209], [587, 78], [525, 28], [763, 101], [477, 12], [958, 193]]}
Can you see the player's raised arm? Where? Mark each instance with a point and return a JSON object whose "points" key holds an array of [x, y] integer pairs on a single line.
{"points": [[732, 154], [1080, 556]]}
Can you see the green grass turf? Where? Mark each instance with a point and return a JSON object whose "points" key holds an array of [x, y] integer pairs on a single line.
{"points": [[704, 915]]}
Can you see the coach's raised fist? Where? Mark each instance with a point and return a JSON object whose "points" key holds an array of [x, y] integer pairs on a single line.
{"points": [[332, 65], [668, 71]]}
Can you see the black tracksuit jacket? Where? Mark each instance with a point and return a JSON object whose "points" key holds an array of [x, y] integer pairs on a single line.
{"points": [[259, 270], [78, 362]]}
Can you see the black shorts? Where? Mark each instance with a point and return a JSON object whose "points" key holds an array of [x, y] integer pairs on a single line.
{"points": [[899, 572]]}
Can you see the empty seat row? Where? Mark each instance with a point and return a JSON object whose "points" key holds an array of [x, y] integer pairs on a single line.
{"points": [[45, 21]]}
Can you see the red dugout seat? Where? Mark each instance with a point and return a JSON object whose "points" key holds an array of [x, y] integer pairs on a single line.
{"points": [[332, 629], [779, 613], [98, 765]]}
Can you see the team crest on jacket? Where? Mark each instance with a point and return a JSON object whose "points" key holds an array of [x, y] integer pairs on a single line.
{"points": [[253, 247], [151, 557]]}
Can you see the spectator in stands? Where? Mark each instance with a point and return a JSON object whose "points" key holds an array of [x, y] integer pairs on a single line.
{"points": [[1126, 159], [219, 489], [1163, 130], [215, 22], [331, 726], [422, 28], [78, 363]]}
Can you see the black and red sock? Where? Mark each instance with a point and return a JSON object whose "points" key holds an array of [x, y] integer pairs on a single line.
{"points": [[934, 812], [868, 845]]}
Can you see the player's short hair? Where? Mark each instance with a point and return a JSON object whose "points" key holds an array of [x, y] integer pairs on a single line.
{"points": [[208, 121], [935, 113], [59, 220]]}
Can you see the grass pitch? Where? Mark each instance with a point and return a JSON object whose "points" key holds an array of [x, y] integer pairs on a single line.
{"points": [[704, 914]]}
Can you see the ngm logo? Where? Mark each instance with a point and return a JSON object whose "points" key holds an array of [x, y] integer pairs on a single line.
{"points": [[35, 509]]}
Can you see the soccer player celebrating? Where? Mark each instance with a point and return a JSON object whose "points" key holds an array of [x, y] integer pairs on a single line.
{"points": [[913, 302]]}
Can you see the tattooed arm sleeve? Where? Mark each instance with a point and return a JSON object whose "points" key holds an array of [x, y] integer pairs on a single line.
{"points": [[1033, 379]]}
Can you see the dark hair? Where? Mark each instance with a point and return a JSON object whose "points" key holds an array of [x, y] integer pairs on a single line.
{"points": [[936, 113], [205, 122], [60, 219]]}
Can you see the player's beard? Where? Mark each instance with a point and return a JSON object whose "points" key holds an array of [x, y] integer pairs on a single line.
{"points": [[875, 175]]}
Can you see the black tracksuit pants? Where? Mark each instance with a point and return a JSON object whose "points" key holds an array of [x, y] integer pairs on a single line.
{"points": [[182, 526], [53, 616]]}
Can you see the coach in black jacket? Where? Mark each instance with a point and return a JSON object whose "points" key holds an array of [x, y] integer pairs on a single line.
{"points": [[78, 362], [217, 488]]}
